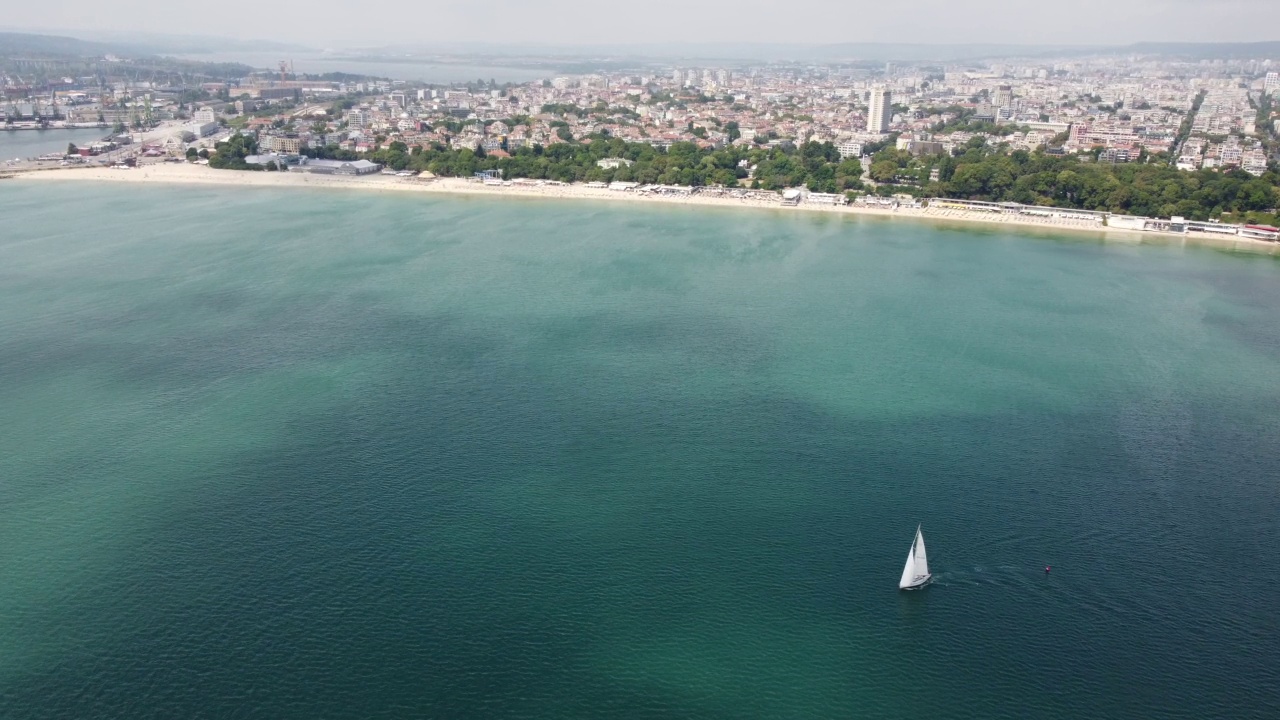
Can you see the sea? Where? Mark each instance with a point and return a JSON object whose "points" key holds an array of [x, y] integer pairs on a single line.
{"points": [[295, 453], [25, 144]]}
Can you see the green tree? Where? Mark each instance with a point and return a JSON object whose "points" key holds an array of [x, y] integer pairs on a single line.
{"points": [[230, 153], [884, 171]]}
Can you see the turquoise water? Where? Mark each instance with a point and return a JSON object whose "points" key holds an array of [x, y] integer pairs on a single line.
{"points": [[302, 454]]}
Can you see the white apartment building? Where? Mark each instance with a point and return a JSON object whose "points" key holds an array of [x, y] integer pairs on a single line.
{"points": [[849, 148], [1254, 162]]}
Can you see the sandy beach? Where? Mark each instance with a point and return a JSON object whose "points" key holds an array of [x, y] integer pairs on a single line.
{"points": [[183, 173]]}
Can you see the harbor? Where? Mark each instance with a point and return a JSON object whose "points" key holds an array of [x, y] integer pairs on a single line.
{"points": [[34, 143]]}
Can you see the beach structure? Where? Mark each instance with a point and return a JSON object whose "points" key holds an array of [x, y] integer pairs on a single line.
{"points": [[336, 167]]}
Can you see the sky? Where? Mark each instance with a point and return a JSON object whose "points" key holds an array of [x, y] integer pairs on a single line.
{"points": [[573, 22]]}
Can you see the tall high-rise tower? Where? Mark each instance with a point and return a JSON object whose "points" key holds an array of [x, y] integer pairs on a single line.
{"points": [[881, 110], [1003, 97]]}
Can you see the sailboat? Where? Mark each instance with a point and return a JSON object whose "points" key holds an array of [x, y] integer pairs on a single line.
{"points": [[916, 574]]}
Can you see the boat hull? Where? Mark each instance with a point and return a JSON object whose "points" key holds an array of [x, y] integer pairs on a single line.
{"points": [[918, 583]]}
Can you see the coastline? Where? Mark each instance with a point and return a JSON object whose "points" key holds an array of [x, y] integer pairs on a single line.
{"points": [[203, 175]]}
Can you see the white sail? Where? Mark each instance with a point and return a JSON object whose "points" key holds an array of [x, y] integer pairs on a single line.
{"points": [[916, 572], [909, 572], [922, 561]]}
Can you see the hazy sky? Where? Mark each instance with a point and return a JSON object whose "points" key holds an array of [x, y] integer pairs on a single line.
{"points": [[564, 22]]}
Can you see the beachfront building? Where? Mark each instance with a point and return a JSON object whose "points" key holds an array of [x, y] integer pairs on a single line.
{"points": [[814, 198], [275, 159], [337, 167]]}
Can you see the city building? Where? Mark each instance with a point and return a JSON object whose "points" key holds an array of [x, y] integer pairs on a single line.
{"points": [[919, 147], [1003, 97], [357, 118], [279, 144], [202, 129], [849, 148], [274, 93], [880, 111]]}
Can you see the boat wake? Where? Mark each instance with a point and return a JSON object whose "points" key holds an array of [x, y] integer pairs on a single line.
{"points": [[1000, 575]]}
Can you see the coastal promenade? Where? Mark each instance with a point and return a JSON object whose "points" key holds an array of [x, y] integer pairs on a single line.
{"points": [[183, 173]]}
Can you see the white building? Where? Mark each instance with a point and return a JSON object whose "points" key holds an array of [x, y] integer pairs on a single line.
{"points": [[336, 167], [204, 116], [201, 130], [880, 111], [1254, 162], [849, 148], [1272, 84]]}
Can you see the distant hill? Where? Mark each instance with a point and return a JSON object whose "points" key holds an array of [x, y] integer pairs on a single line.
{"points": [[840, 52], [1209, 51], [133, 45], [1194, 51], [25, 44], [146, 44], [72, 55], [897, 52], [196, 44]]}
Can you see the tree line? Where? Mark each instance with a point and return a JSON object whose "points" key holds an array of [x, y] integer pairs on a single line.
{"points": [[817, 166], [976, 171], [1151, 189]]}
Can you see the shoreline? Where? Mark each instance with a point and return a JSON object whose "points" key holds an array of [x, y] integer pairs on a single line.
{"points": [[166, 174]]}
